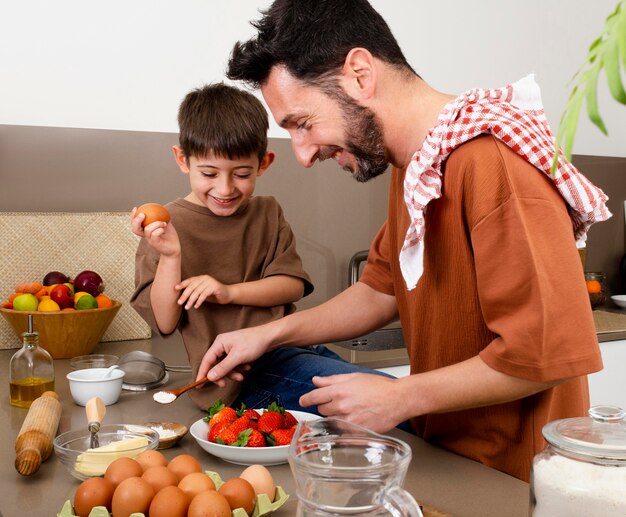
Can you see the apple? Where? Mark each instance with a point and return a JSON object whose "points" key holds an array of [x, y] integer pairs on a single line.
{"points": [[90, 282], [25, 302], [55, 277], [62, 295]]}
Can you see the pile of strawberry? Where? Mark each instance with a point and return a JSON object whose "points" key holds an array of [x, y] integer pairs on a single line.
{"points": [[249, 428]]}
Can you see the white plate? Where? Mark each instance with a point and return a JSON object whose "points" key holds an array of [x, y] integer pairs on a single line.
{"points": [[245, 455]]}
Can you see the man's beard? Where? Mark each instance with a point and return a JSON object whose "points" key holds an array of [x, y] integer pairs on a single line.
{"points": [[363, 136]]}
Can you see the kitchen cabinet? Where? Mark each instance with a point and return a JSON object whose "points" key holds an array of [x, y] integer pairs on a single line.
{"points": [[608, 386]]}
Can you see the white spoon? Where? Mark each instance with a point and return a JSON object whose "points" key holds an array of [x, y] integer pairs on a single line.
{"points": [[109, 371]]}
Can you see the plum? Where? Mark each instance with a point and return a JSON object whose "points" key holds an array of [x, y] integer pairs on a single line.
{"points": [[89, 282], [55, 277]]}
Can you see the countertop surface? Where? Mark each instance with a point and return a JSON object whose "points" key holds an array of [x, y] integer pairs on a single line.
{"points": [[436, 478]]}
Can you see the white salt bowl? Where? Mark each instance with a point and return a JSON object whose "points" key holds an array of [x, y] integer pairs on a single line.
{"points": [[89, 382]]}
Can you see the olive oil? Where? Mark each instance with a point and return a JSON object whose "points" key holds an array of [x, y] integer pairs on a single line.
{"points": [[24, 391], [31, 370]]}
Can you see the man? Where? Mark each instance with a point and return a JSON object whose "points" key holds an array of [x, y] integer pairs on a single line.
{"points": [[477, 256]]}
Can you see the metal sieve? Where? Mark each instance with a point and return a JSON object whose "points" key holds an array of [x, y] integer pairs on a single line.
{"points": [[143, 371]]}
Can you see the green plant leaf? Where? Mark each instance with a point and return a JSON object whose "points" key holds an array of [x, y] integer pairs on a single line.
{"points": [[621, 33], [612, 68], [570, 122], [591, 91], [604, 52]]}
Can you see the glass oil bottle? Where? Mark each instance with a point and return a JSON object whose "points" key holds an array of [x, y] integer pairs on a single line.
{"points": [[31, 370]]}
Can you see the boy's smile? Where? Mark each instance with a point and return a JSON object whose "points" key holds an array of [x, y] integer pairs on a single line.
{"points": [[221, 184]]}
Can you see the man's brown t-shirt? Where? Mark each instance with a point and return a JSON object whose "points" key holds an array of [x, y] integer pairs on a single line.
{"points": [[502, 280]]}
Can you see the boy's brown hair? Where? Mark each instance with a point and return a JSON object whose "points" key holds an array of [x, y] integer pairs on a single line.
{"points": [[222, 120]]}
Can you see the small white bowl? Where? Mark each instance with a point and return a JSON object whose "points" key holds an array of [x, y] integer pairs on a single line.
{"points": [[619, 300], [88, 383]]}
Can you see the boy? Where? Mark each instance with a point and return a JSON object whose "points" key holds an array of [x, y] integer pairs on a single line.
{"points": [[227, 260]]}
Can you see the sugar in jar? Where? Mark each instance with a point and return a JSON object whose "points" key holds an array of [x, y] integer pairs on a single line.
{"points": [[582, 471]]}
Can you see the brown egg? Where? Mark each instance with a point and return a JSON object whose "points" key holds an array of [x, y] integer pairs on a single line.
{"points": [[170, 502], [261, 480], [151, 458], [159, 477], [209, 504], [132, 495], [184, 464], [196, 482], [121, 469], [90, 493], [153, 212], [239, 494]]}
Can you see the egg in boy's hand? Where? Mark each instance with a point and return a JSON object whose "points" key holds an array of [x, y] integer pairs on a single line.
{"points": [[153, 212]]}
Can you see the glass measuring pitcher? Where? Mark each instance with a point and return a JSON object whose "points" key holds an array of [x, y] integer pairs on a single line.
{"points": [[345, 469]]}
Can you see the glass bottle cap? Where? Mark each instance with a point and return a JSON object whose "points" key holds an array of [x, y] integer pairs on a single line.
{"points": [[600, 436]]}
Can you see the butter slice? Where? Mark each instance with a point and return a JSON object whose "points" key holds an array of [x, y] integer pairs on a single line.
{"points": [[94, 462]]}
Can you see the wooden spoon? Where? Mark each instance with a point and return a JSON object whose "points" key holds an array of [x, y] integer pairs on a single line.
{"points": [[169, 396]]}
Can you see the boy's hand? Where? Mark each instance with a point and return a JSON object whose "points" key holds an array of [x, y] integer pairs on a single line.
{"points": [[198, 289], [162, 237]]}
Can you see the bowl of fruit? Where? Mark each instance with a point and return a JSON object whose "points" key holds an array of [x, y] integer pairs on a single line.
{"points": [[248, 436], [71, 316]]}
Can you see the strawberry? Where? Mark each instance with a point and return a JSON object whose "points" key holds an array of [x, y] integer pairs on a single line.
{"points": [[290, 420], [250, 438], [218, 412], [270, 421], [252, 413], [215, 430], [257, 439], [273, 418], [281, 436], [230, 434]]}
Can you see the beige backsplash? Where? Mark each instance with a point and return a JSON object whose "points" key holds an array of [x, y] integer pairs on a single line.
{"points": [[78, 170]]}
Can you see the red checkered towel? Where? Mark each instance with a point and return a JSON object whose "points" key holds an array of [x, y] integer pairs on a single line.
{"points": [[513, 114]]}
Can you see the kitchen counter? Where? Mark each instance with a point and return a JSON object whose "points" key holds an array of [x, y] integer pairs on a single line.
{"points": [[436, 478]]}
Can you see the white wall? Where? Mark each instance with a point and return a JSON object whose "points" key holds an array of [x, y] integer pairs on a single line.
{"points": [[126, 64]]}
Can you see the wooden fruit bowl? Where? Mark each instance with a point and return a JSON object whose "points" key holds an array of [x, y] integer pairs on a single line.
{"points": [[65, 334]]}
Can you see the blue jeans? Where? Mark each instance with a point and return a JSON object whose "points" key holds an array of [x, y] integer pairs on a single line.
{"points": [[284, 375]]}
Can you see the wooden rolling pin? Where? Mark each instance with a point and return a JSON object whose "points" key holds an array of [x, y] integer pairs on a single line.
{"points": [[34, 441]]}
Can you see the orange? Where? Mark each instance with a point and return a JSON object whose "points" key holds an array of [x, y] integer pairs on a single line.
{"points": [[593, 286], [14, 295], [104, 301], [69, 309], [42, 293], [48, 306]]}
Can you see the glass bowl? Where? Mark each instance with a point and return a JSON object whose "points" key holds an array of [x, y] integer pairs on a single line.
{"points": [[116, 441], [81, 362]]}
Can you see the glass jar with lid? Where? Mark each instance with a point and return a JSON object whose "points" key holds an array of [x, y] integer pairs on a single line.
{"points": [[583, 469], [596, 287]]}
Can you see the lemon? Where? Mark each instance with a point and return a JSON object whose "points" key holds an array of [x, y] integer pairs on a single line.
{"points": [[48, 305], [86, 301], [78, 295]]}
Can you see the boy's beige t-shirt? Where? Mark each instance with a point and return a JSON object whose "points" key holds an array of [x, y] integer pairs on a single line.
{"points": [[255, 243], [502, 280]]}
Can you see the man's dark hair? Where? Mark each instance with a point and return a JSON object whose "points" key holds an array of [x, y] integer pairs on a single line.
{"points": [[312, 38], [222, 120]]}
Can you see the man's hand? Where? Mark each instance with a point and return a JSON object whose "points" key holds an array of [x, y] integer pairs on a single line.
{"points": [[365, 399], [198, 289], [230, 354]]}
